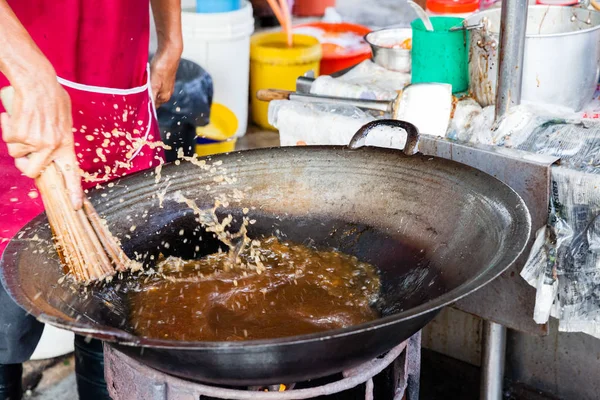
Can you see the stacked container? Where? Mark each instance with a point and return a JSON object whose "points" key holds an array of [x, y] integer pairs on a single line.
{"points": [[220, 43], [452, 8], [217, 6]]}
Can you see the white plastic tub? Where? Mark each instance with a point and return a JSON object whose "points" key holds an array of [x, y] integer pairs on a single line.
{"points": [[220, 43], [54, 343]]}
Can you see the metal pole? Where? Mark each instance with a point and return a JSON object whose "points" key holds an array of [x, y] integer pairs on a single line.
{"points": [[492, 361], [513, 25]]}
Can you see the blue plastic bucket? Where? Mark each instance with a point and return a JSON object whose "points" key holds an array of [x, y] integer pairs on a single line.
{"points": [[217, 6]]}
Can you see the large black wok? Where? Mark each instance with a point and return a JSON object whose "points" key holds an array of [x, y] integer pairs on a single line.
{"points": [[436, 229]]}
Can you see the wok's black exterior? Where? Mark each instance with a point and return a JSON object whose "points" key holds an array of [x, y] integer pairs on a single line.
{"points": [[383, 206], [298, 361]]}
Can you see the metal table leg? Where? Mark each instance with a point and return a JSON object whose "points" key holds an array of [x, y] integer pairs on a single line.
{"points": [[513, 26], [492, 361]]}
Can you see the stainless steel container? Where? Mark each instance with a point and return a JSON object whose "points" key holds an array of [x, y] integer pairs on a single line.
{"points": [[562, 56], [382, 42]]}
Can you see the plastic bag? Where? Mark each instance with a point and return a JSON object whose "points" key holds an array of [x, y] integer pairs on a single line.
{"points": [[315, 123], [188, 108], [327, 124], [565, 260], [366, 81], [564, 263], [376, 13], [336, 87], [192, 97]]}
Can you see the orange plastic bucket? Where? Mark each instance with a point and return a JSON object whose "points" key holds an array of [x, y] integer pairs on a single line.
{"points": [[337, 57]]}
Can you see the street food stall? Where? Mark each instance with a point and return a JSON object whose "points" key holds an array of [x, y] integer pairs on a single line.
{"points": [[465, 179]]}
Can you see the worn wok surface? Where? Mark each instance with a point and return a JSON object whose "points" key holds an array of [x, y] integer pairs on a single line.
{"points": [[437, 230]]}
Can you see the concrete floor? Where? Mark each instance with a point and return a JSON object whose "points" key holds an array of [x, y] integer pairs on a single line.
{"points": [[63, 390], [50, 379]]}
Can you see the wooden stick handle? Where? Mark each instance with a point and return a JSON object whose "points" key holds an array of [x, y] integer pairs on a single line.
{"points": [[273, 94]]}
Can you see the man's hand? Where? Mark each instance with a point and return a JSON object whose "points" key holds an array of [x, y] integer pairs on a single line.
{"points": [[167, 17], [163, 69], [40, 131]]}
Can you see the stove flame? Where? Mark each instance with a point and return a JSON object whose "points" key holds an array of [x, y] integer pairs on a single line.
{"points": [[276, 388]]}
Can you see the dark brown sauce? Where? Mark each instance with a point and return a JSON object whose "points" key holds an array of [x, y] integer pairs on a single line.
{"points": [[301, 291]]}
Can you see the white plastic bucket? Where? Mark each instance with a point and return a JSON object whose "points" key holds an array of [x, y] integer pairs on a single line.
{"points": [[220, 43], [54, 343]]}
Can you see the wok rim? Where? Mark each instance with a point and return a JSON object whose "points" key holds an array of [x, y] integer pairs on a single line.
{"points": [[122, 337]]}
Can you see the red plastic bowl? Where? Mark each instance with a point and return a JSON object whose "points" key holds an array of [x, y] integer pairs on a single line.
{"points": [[334, 60], [311, 8]]}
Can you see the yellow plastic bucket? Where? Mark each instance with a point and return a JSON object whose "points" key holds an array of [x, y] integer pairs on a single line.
{"points": [[217, 136], [274, 65]]}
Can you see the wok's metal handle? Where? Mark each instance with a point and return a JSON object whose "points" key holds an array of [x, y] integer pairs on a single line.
{"points": [[412, 134]]}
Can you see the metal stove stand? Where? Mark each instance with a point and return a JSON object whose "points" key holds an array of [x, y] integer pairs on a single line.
{"points": [[129, 379]]}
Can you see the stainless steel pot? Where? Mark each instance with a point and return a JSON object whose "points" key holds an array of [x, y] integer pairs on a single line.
{"points": [[562, 56]]}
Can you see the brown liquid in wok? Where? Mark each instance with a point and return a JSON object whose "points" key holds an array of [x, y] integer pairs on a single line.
{"points": [[301, 291]]}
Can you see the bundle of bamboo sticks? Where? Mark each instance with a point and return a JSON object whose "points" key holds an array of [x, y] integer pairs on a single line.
{"points": [[284, 16], [82, 239]]}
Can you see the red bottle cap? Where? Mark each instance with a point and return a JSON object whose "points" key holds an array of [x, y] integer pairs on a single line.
{"points": [[452, 6], [557, 2]]}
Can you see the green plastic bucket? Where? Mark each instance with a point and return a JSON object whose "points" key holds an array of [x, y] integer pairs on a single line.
{"points": [[440, 56]]}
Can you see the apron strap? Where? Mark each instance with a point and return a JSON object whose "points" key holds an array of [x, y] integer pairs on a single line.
{"points": [[150, 92], [147, 87], [103, 90], [148, 128], [151, 112]]}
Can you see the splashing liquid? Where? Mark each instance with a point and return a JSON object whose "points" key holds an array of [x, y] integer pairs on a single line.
{"points": [[300, 291]]}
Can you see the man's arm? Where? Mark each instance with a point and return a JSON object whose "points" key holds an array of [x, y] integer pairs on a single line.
{"points": [[167, 17], [20, 58], [40, 128]]}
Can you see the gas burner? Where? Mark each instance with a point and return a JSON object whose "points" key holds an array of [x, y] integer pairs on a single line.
{"points": [[393, 376]]}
